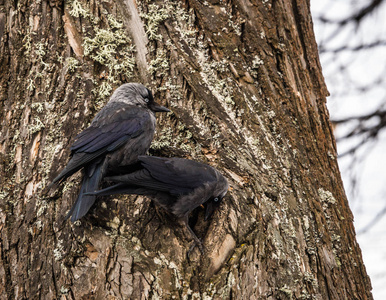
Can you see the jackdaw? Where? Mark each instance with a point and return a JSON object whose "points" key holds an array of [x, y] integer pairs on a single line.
{"points": [[121, 131], [178, 185]]}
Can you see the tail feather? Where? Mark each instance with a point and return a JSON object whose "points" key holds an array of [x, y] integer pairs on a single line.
{"points": [[77, 162], [92, 177], [120, 188]]}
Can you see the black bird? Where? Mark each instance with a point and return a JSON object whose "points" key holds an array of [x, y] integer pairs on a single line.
{"points": [[178, 185], [121, 131]]}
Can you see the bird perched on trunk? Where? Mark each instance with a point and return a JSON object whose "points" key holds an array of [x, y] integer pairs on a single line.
{"points": [[121, 131], [178, 185]]}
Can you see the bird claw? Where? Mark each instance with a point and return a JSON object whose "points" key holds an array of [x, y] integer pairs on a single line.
{"points": [[196, 240], [194, 244]]}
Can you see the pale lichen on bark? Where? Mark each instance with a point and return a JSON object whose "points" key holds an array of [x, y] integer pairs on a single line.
{"points": [[244, 83]]}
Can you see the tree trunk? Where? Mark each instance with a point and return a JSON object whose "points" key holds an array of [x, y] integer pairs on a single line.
{"points": [[247, 95]]}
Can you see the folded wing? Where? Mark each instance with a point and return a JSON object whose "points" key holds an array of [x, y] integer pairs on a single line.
{"points": [[178, 172], [107, 133]]}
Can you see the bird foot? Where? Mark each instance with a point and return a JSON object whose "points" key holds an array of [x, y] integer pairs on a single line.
{"points": [[195, 243], [196, 240]]}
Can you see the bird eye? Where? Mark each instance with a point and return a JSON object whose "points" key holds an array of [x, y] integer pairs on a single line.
{"points": [[215, 199], [146, 100]]}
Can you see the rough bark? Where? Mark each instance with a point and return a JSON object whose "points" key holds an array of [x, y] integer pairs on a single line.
{"points": [[244, 83]]}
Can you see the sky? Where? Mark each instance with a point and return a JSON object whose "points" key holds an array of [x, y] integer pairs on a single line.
{"points": [[350, 77]]}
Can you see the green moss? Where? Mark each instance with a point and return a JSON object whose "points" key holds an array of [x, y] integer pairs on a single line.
{"points": [[69, 185], [236, 27], [72, 64], [327, 198], [59, 58], [41, 206], [160, 65], [27, 43], [31, 84], [166, 138], [335, 238], [155, 15], [210, 73], [185, 147], [40, 52], [331, 155], [114, 223], [226, 290], [257, 62], [3, 195], [51, 146], [287, 291], [173, 89], [77, 10], [102, 92], [112, 48], [38, 106], [337, 261], [64, 290], [114, 23], [36, 126], [104, 45], [58, 251]]}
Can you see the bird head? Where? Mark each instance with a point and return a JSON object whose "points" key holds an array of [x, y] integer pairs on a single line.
{"points": [[137, 94], [211, 205], [219, 193]]}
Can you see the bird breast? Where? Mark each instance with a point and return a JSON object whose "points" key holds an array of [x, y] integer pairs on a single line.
{"points": [[139, 145]]}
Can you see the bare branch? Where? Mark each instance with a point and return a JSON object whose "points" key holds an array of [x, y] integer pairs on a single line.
{"points": [[375, 44], [357, 16], [374, 221]]}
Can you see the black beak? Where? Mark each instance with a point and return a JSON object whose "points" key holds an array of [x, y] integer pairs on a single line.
{"points": [[209, 210], [158, 108]]}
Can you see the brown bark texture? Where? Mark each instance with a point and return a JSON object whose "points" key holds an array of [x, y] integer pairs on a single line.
{"points": [[244, 83]]}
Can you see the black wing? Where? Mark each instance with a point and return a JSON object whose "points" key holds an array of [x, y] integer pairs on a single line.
{"points": [[116, 124], [182, 174], [113, 126], [143, 179], [175, 176]]}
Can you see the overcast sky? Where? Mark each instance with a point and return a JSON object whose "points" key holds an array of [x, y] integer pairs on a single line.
{"points": [[344, 73]]}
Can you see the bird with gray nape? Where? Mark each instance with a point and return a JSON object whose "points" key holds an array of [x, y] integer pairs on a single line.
{"points": [[121, 131], [176, 184]]}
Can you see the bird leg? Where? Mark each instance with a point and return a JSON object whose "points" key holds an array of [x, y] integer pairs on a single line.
{"points": [[197, 241]]}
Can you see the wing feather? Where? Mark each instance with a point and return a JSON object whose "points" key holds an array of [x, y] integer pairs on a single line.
{"points": [[112, 127], [143, 178], [178, 172]]}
